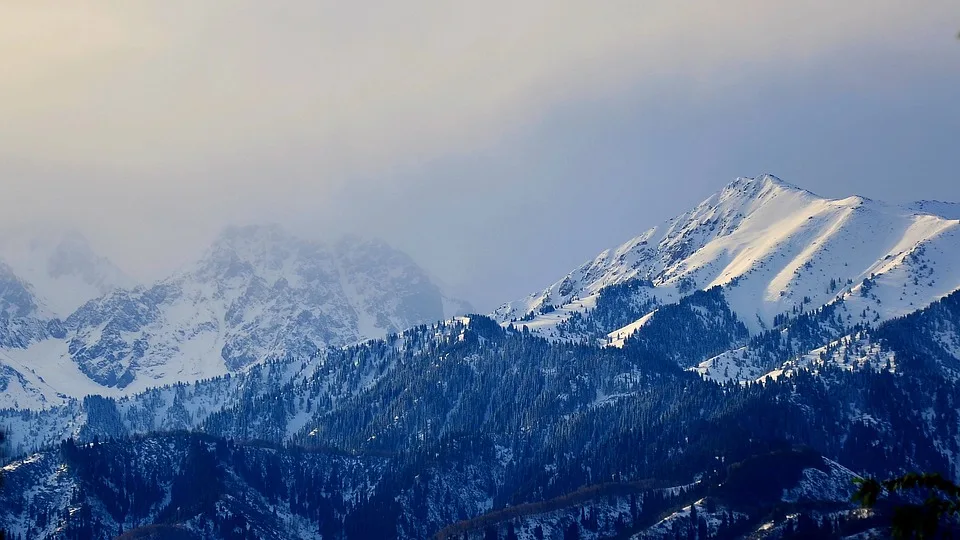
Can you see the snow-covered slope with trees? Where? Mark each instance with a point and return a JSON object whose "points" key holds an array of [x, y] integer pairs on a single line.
{"points": [[482, 427], [845, 310], [928, 340]]}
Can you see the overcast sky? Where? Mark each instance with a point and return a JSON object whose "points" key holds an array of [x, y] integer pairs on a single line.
{"points": [[500, 143]]}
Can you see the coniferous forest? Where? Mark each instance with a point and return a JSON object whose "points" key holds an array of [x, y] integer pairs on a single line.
{"points": [[471, 429]]}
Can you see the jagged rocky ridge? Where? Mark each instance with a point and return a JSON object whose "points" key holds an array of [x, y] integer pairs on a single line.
{"points": [[257, 294], [60, 269]]}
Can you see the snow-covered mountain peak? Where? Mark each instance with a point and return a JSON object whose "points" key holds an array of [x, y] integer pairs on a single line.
{"points": [[777, 250], [266, 251], [747, 195], [257, 293], [61, 266], [16, 297], [760, 183], [750, 205]]}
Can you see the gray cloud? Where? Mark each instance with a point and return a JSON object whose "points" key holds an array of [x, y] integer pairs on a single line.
{"points": [[475, 136]]}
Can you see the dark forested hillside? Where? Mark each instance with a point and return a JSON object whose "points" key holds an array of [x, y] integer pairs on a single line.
{"points": [[443, 424]]}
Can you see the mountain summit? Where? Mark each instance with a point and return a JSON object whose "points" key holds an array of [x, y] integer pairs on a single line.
{"points": [[775, 250], [257, 293], [63, 271]]}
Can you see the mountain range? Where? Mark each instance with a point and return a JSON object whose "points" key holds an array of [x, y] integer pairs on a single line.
{"points": [[726, 374]]}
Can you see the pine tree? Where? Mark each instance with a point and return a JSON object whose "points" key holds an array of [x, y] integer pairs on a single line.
{"points": [[920, 520]]}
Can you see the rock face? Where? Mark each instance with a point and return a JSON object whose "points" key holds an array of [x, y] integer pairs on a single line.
{"points": [[22, 318], [258, 293]]}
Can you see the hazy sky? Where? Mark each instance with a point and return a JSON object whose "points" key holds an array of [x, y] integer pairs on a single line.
{"points": [[500, 143]]}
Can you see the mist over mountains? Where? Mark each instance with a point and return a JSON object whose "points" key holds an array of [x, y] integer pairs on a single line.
{"points": [[257, 293]]}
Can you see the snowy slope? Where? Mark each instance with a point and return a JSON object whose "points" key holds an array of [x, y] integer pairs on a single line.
{"points": [[925, 340], [61, 267], [42, 375], [777, 250], [949, 210], [258, 293]]}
